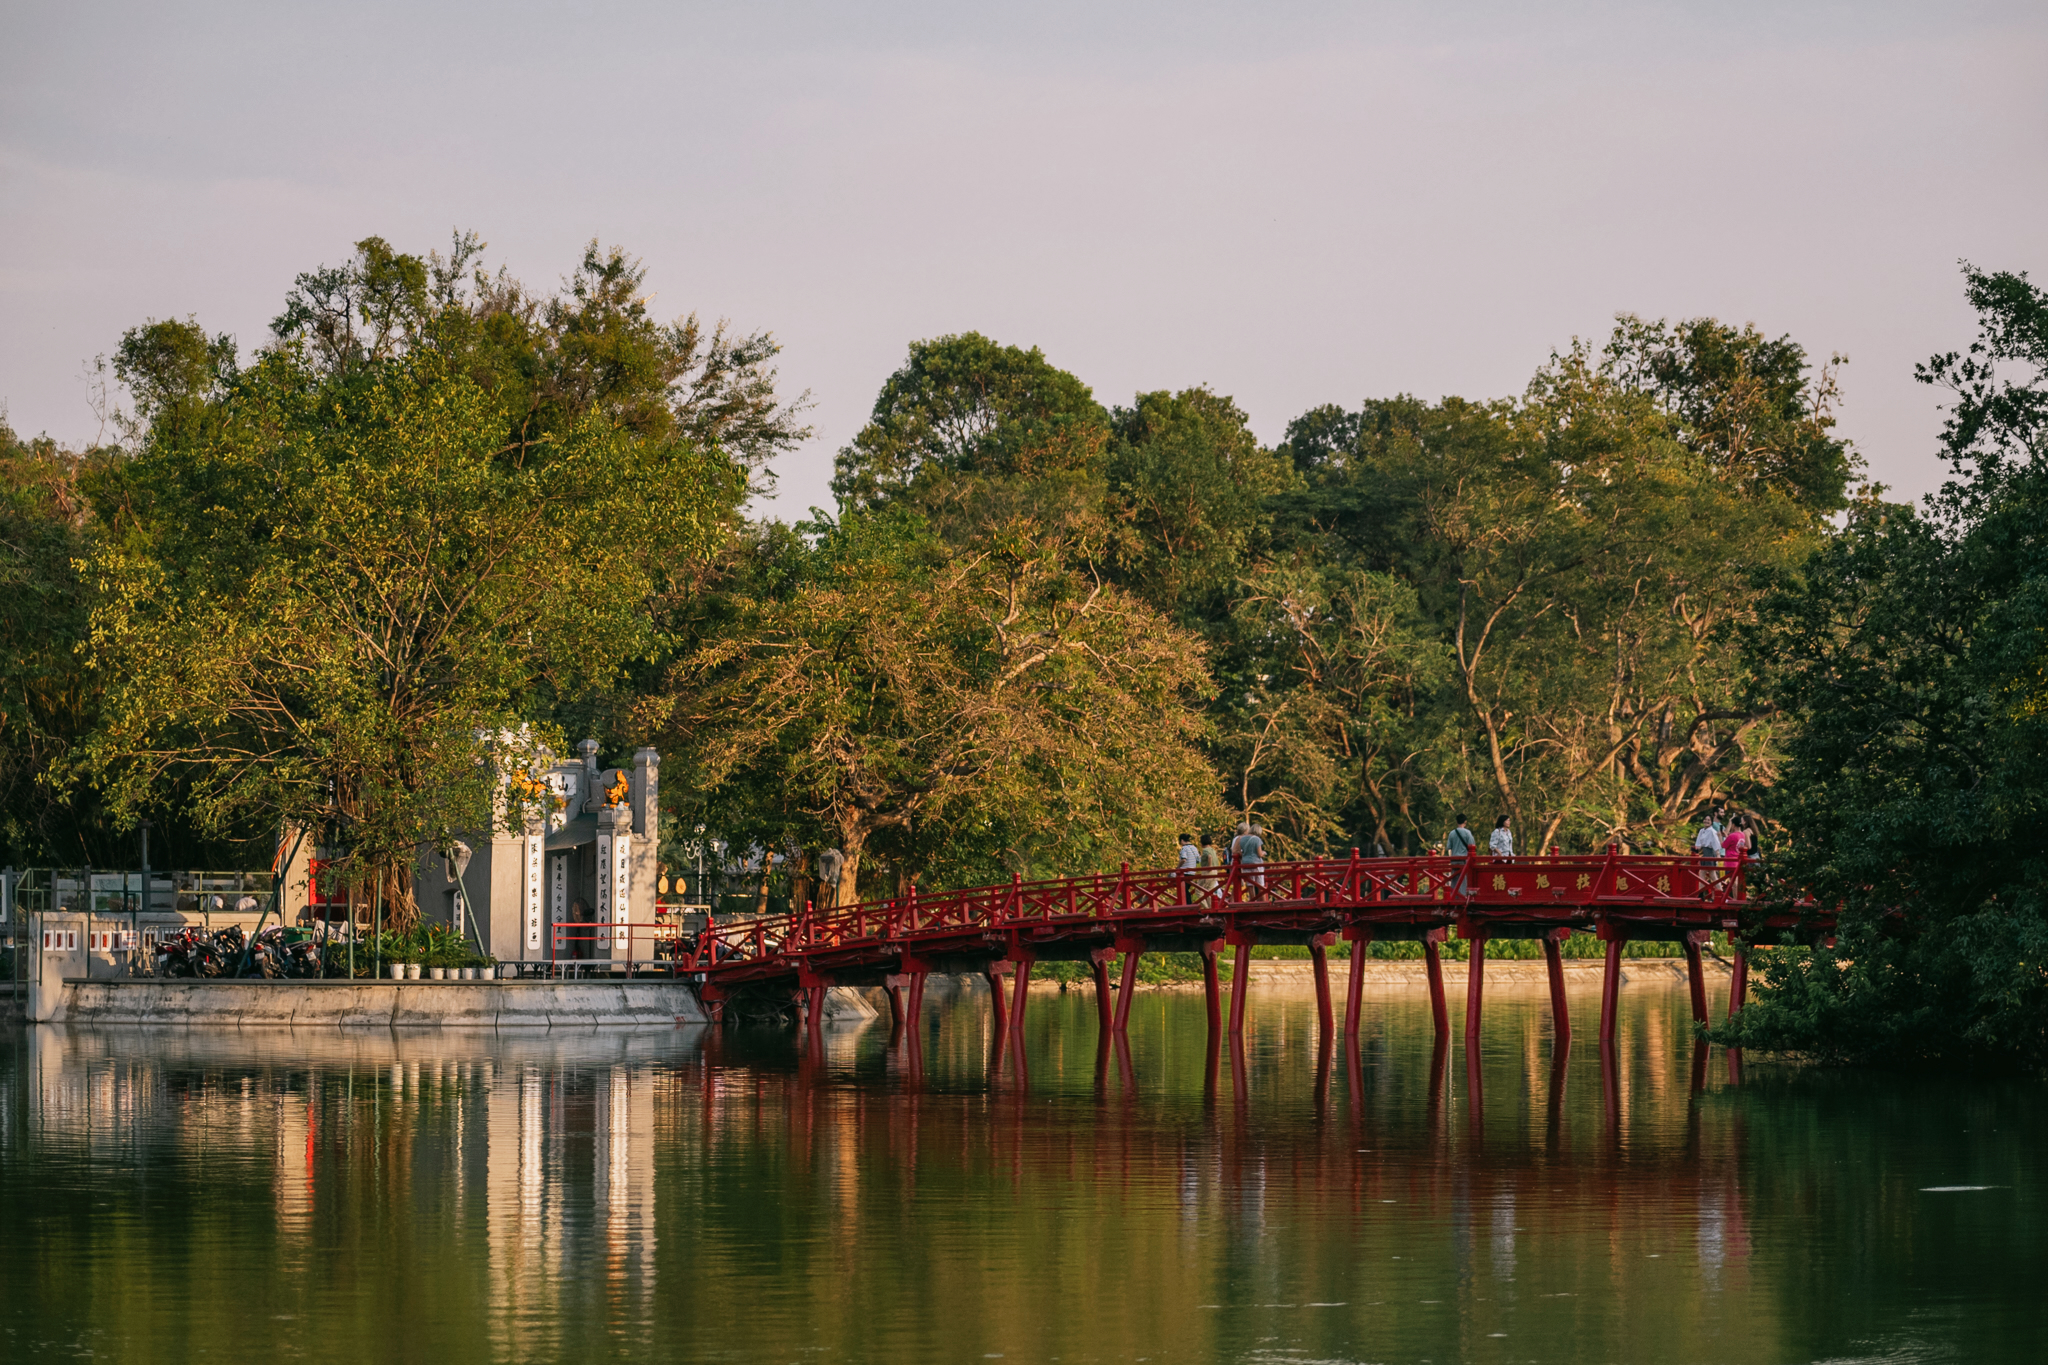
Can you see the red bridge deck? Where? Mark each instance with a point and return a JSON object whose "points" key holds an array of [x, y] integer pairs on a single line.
{"points": [[1001, 930]]}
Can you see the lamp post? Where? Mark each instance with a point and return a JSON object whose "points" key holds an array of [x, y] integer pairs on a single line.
{"points": [[134, 923], [701, 899]]}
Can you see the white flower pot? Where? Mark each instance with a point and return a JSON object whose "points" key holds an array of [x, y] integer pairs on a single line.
{"points": [[412, 971], [395, 970]]}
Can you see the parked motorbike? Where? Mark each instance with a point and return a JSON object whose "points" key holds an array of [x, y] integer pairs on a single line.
{"points": [[188, 953], [274, 957]]}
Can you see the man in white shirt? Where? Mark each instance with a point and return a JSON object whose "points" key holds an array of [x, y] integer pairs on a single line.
{"points": [[1190, 859], [1707, 843]]}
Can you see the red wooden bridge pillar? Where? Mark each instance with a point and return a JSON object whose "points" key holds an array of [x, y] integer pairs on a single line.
{"points": [[1212, 994], [1439, 1011], [1242, 941], [1105, 1008], [1610, 981], [713, 998], [1133, 948], [914, 1007], [1738, 982], [1694, 975], [998, 991], [1017, 1003], [1553, 964], [1354, 988], [1319, 956], [998, 994], [911, 972], [893, 986], [811, 987], [1475, 979]]}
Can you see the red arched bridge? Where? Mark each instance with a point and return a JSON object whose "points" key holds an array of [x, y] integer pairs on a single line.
{"points": [[1001, 931]]}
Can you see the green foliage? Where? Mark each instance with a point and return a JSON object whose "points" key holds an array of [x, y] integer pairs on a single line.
{"points": [[1187, 476], [349, 585], [1577, 556], [1330, 677], [1742, 404], [965, 405], [1910, 650], [960, 712], [430, 945], [593, 349], [47, 699]]}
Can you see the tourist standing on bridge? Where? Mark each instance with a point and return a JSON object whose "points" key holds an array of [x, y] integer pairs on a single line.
{"points": [[1248, 850], [1735, 843], [1212, 864], [1460, 843], [1707, 843], [1501, 843], [1190, 859]]}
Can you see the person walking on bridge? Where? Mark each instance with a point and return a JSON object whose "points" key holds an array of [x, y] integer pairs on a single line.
{"points": [[1501, 843], [1190, 859]]}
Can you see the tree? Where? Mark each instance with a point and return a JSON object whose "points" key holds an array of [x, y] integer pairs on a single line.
{"points": [[1909, 650], [1744, 405], [348, 586], [550, 361], [1190, 480], [964, 711], [47, 700], [965, 405], [1581, 557], [1326, 719]]}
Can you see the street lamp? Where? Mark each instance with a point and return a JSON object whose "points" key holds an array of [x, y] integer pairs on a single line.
{"points": [[700, 866], [134, 924]]}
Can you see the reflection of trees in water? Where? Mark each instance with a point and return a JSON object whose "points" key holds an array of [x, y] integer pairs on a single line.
{"points": [[530, 1196]]}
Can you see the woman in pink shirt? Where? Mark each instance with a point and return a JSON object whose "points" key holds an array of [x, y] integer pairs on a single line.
{"points": [[1735, 843]]}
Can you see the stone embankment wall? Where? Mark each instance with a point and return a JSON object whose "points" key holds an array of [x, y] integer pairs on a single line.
{"points": [[376, 1004]]}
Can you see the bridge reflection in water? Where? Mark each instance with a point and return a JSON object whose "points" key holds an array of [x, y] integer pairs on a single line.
{"points": [[756, 1194]]}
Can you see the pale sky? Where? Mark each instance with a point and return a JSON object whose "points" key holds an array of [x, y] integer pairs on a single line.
{"points": [[1294, 203]]}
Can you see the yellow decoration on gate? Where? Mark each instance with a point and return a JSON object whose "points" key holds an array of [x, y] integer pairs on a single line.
{"points": [[1585, 880], [1664, 884], [1542, 880], [1500, 882]]}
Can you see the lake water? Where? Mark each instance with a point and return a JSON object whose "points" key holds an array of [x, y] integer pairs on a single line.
{"points": [[671, 1195]]}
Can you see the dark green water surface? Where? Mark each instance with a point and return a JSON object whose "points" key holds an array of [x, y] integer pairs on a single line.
{"points": [[456, 1197]]}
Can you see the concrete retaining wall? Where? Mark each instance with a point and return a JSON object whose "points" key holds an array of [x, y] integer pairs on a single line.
{"points": [[381, 1004]]}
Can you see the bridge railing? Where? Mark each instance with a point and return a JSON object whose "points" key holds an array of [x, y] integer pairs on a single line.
{"points": [[1435, 886]]}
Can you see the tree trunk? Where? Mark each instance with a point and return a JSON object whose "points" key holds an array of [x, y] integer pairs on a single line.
{"points": [[401, 910]]}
